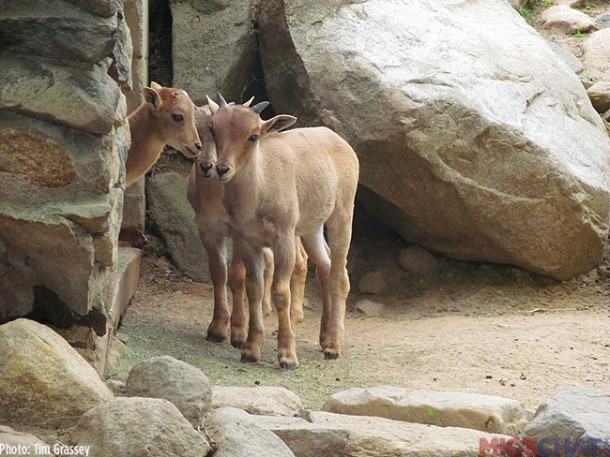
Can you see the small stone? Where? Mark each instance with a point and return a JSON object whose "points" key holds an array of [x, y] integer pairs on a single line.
{"points": [[418, 261], [567, 19], [370, 308], [599, 94], [372, 282]]}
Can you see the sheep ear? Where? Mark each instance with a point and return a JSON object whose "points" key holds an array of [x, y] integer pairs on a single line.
{"points": [[152, 97], [155, 86], [212, 104], [277, 123]]}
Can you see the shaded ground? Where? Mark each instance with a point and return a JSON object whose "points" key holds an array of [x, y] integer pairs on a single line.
{"points": [[475, 328]]}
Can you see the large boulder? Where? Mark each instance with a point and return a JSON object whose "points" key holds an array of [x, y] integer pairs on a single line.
{"points": [[475, 140], [214, 48], [173, 380], [44, 382], [135, 427], [175, 220], [447, 409]]}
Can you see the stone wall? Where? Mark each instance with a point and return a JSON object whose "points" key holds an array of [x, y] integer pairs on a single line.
{"points": [[63, 140]]}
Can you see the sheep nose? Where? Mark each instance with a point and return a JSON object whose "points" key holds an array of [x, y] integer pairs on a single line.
{"points": [[198, 146], [205, 169], [221, 170]]}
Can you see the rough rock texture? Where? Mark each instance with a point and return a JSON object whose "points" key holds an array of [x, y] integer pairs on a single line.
{"points": [[174, 218], [264, 400], [44, 382], [447, 409], [214, 49], [135, 427], [26, 444], [474, 139], [374, 436], [574, 413], [176, 381], [306, 439], [63, 136], [236, 434]]}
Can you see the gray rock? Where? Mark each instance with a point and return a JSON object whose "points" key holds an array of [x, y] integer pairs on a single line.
{"points": [[476, 118], [566, 55], [134, 427], [230, 66], [603, 20], [263, 400], [44, 382], [580, 415], [447, 409], [84, 99], [307, 439], [57, 30], [374, 436], [236, 434], [187, 387], [175, 219], [373, 282]]}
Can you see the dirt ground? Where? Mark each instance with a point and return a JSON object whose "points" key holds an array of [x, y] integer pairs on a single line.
{"points": [[474, 327]]}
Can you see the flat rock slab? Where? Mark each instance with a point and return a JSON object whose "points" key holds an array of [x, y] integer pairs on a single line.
{"points": [[567, 19], [264, 401], [374, 436], [299, 435], [446, 409]]}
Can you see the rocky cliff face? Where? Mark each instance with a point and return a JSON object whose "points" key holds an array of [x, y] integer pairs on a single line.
{"points": [[63, 140]]}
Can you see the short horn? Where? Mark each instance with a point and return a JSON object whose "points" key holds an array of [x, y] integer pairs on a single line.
{"points": [[259, 107], [212, 105], [249, 102], [221, 101]]}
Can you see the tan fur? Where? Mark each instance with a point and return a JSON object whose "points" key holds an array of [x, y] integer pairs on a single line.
{"points": [[278, 185], [205, 195], [152, 127]]}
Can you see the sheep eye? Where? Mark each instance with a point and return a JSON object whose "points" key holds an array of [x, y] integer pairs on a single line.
{"points": [[253, 138], [177, 117]]}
